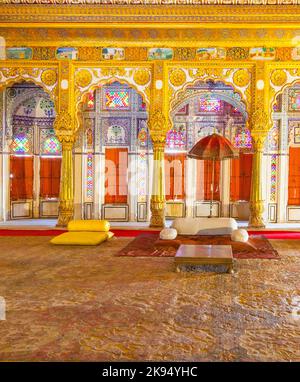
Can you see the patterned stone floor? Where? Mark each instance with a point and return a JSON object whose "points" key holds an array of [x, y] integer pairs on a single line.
{"points": [[66, 303]]}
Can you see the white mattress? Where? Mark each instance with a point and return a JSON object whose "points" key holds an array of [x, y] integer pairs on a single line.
{"points": [[204, 226]]}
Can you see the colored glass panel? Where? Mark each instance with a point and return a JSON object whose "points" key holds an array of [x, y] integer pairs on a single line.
{"points": [[243, 139], [210, 105], [294, 100], [21, 144], [176, 137], [89, 177], [273, 177], [91, 101], [52, 146], [117, 99], [141, 103]]}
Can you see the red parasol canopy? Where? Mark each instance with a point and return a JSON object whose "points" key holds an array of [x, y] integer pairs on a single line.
{"points": [[215, 147]]}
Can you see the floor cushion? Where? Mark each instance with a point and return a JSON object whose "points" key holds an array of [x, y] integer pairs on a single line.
{"points": [[168, 234], [80, 238], [204, 226], [89, 225], [240, 235]]}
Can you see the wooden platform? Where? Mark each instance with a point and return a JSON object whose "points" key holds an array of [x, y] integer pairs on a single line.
{"points": [[204, 255]]}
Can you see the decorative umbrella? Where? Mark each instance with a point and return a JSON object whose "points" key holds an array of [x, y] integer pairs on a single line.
{"points": [[213, 147]]}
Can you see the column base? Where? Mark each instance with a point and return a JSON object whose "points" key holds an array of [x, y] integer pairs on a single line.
{"points": [[157, 214], [256, 219], [66, 213]]}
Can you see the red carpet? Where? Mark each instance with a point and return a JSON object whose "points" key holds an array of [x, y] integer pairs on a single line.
{"points": [[54, 232], [288, 235], [149, 245]]}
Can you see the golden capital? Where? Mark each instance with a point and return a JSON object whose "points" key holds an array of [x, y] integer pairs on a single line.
{"points": [[158, 127], [65, 128]]}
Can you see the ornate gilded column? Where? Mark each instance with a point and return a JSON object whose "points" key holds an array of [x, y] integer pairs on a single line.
{"points": [[157, 124], [66, 133], [259, 131]]}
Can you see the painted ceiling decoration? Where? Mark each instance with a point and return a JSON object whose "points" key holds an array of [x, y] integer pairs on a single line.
{"points": [[156, 2]]}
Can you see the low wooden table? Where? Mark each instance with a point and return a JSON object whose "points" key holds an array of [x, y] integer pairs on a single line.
{"points": [[204, 255]]}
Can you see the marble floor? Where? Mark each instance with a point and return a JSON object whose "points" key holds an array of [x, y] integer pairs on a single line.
{"points": [[85, 303]]}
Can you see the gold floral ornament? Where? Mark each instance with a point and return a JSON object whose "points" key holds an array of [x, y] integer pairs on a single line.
{"points": [[241, 78], [49, 77], [177, 77], [278, 77], [141, 77], [83, 78]]}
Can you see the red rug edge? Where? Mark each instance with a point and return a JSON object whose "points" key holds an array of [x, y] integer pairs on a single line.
{"points": [[280, 235]]}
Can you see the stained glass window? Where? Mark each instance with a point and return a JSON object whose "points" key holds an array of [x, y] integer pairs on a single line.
{"points": [[91, 101], [294, 100], [176, 137], [210, 105], [273, 177], [47, 106], [117, 99], [243, 139], [21, 144], [89, 177], [141, 103], [52, 146]]}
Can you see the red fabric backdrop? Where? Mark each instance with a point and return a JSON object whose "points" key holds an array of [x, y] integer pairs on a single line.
{"points": [[240, 180], [116, 184], [294, 176], [21, 177], [49, 177], [174, 176], [204, 180]]}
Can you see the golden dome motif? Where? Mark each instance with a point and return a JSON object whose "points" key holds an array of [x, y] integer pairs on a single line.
{"points": [[141, 77], [241, 77], [278, 77], [177, 77], [49, 77], [83, 78]]}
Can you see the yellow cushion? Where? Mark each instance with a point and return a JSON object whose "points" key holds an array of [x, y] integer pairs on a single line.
{"points": [[80, 238], [89, 225]]}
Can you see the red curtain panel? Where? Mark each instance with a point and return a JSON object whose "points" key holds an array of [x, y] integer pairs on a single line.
{"points": [[175, 176], [49, 177], [204, 180], [116, 182], [294, 176], [240, 180], [21, 178]]}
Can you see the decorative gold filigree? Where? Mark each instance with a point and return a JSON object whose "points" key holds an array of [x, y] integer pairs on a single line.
{"points": [[83, 78], [241, 77], [177, 77], [158, 126], [65, 128], [141, 77], [49, 77], [278, 77]]}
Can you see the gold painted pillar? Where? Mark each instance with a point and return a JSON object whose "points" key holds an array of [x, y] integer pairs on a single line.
{"points": [[66, 135], [259, 133], [66, 130], [157, 126], [158, 130]]}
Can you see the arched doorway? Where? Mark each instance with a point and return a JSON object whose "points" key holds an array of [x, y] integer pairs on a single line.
{"points": [[209, 107], [32, 153], [117, 154], [282, 151]]}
